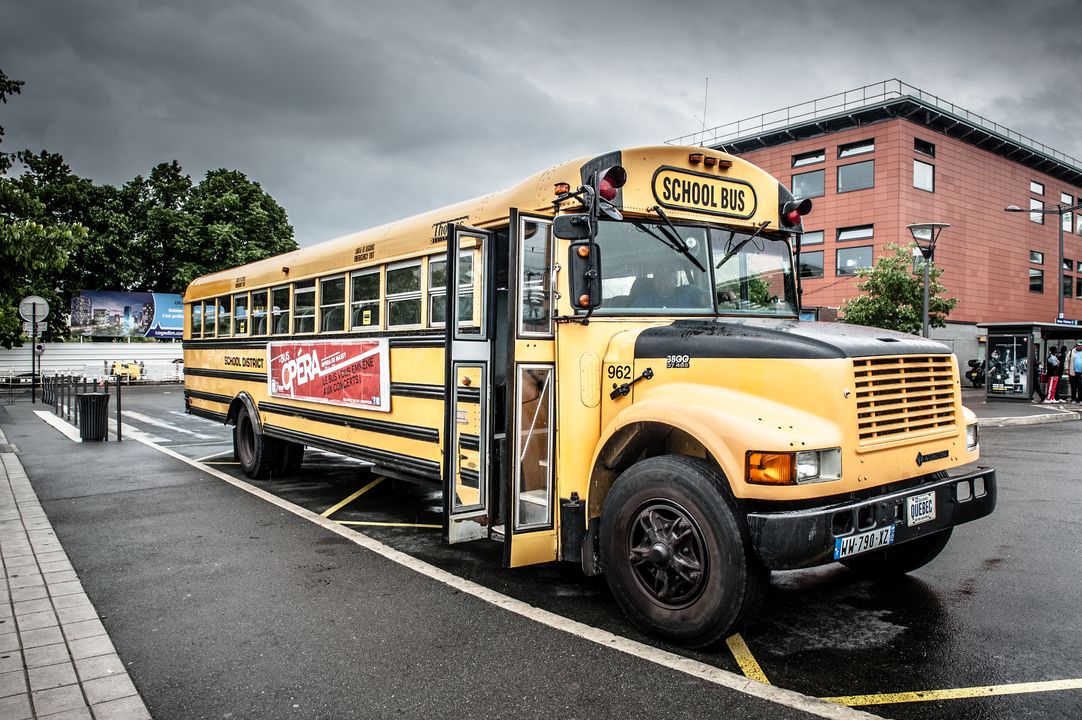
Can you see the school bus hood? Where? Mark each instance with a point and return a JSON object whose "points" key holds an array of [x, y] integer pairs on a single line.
{"points": [[779, 339]]}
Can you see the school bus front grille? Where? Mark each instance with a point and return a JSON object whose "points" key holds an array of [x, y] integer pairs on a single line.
{"points": [[898, 398]]}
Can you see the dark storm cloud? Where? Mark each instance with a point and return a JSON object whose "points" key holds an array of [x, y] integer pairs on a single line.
{"points": [[355, 113]]}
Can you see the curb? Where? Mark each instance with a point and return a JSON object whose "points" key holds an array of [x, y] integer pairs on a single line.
{"points": [[1059, 417]]}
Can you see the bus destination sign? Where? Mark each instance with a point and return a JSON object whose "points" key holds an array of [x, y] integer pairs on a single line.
{"points": [[353, 373], [682, 190]]}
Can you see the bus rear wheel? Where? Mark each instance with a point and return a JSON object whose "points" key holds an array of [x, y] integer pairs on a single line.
{"points": [[257, 454], [674, 553]]}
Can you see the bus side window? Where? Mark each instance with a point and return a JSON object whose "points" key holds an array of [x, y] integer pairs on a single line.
{"points": [[280, 312], [332, 304], [259, 312], [404, 294], [210, 315], [437, 291], [225, 316], [364, 305], [195, 329], [240, 313], [304, 307]]}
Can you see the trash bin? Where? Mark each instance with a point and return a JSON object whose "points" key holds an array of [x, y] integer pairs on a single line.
{"points": [[93, 416]]}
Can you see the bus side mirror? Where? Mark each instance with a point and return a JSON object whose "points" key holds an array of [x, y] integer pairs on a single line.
{"points": [[572, 227], [584, 264]]}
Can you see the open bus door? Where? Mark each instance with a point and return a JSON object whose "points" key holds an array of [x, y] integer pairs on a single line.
{"points": [[467, 458]]}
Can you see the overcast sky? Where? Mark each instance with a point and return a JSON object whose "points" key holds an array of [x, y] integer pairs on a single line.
{"points": [[354, 113]]}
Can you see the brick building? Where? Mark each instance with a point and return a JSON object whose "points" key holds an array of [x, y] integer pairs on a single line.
{"points": [[881, 157]]}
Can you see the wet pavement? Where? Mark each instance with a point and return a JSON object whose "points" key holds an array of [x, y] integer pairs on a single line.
{"points": [[261, 611]]}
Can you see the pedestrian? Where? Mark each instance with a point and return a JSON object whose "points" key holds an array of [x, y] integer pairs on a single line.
{"points": [[1038, 375], [1052, 368], [1074, 371], [1063, 388]]}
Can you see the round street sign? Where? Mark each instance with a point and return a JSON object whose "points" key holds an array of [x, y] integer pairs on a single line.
{"points": [[27, 308]]}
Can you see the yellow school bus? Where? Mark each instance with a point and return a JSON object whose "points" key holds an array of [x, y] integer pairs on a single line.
{"points": [[602, 365]]}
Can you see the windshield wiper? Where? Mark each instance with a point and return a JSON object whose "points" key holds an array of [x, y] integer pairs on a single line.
{"points": [[673, 235], [741, 244]]}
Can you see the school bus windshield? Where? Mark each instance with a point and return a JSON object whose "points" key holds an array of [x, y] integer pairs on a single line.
{"points": [[644, 273]]}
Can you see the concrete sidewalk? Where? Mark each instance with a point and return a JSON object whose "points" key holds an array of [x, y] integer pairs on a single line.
{"points": [[56, 660], [1005, 413]]}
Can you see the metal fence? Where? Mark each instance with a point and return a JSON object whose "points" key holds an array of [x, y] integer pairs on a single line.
{"points": [[61, 393]]}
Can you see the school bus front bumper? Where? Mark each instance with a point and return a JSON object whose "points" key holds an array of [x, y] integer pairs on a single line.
{"points": [[791, 539]]}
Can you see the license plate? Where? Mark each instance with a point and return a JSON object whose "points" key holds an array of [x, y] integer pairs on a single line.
{"points": [[855, 544], [919, 508]]}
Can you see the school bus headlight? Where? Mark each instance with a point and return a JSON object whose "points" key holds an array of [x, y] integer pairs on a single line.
{"points": [[818, 465], [973, 437], [763, 468]]}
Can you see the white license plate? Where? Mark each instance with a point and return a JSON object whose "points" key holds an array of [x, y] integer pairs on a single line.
{"points": [[855, 544], [919, 508]]}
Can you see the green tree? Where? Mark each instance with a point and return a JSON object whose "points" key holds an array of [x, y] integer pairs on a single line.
{"points": [[161, 226], [893, 297], [35, 244]]}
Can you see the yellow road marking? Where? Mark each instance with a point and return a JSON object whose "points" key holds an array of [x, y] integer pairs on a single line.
{"points": [[745, 659], [387, 524], [957, 693], [335, 508]]}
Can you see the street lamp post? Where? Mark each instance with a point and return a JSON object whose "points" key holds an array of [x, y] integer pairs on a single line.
{"points": [[1059, 211], [925, 236]]}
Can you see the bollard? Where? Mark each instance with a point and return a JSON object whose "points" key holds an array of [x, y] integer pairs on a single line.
{"points": [[119, 435]]}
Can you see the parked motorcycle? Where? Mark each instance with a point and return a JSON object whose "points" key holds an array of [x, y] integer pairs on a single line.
{"points": [[975, 373]]}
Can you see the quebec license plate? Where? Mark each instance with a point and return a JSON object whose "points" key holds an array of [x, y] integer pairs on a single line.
{"points": [[856, 544], [919, 508]]}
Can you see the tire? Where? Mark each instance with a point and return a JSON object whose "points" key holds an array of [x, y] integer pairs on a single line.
{"points": [[256, 453], [900, 559], [675, 555]]}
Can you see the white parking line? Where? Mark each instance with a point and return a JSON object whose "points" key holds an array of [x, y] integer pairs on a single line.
{"points": [[700, 670], [163, 424]]}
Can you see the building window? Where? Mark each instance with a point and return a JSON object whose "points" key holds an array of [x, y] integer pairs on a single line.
{"points": [[809, 184], [1036, 257], [304, 307], [923, 176], [809, 158], [364, 300], [404, 294], [811, 264], [814, 237], [857, 176], [1036, 188], [1078, 288], [852, 259], [856, 148], [1078, 223], [860, 232], [1068, 264], [332, 304], [1036, 280], [1067, 285], [1066, 219], [1038, 216], [923, 147]]}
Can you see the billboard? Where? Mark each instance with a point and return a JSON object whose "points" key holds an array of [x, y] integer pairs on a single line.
{"points": [[101, 313], [354, 373]]}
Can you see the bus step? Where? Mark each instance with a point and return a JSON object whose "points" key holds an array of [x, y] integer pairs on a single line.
{"points": [[496, 533]]}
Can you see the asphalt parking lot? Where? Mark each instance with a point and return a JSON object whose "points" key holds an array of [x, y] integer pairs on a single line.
{"points": [[988, 630]]}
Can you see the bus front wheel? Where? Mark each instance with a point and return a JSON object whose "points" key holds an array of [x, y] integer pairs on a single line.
{"points": [[674, 553], [256, 453]]}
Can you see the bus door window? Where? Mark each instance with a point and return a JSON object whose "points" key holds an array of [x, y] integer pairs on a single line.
{"points": [[259, 312], [364, 305], [437, 292], [535, 280], [404, 294], [240, 314], [470, 284], [280, 310], [332, 304], [468, 314], [195, 329], [533, 448], [304, 307]]}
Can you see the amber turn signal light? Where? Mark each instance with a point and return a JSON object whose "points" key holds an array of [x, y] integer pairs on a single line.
{"points": [[764, 468]]}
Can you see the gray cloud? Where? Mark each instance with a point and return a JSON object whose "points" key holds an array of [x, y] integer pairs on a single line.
{"points": [[356, 113]]}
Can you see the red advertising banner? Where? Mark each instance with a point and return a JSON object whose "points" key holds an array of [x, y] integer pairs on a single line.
{"points": [[354, 373]]}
